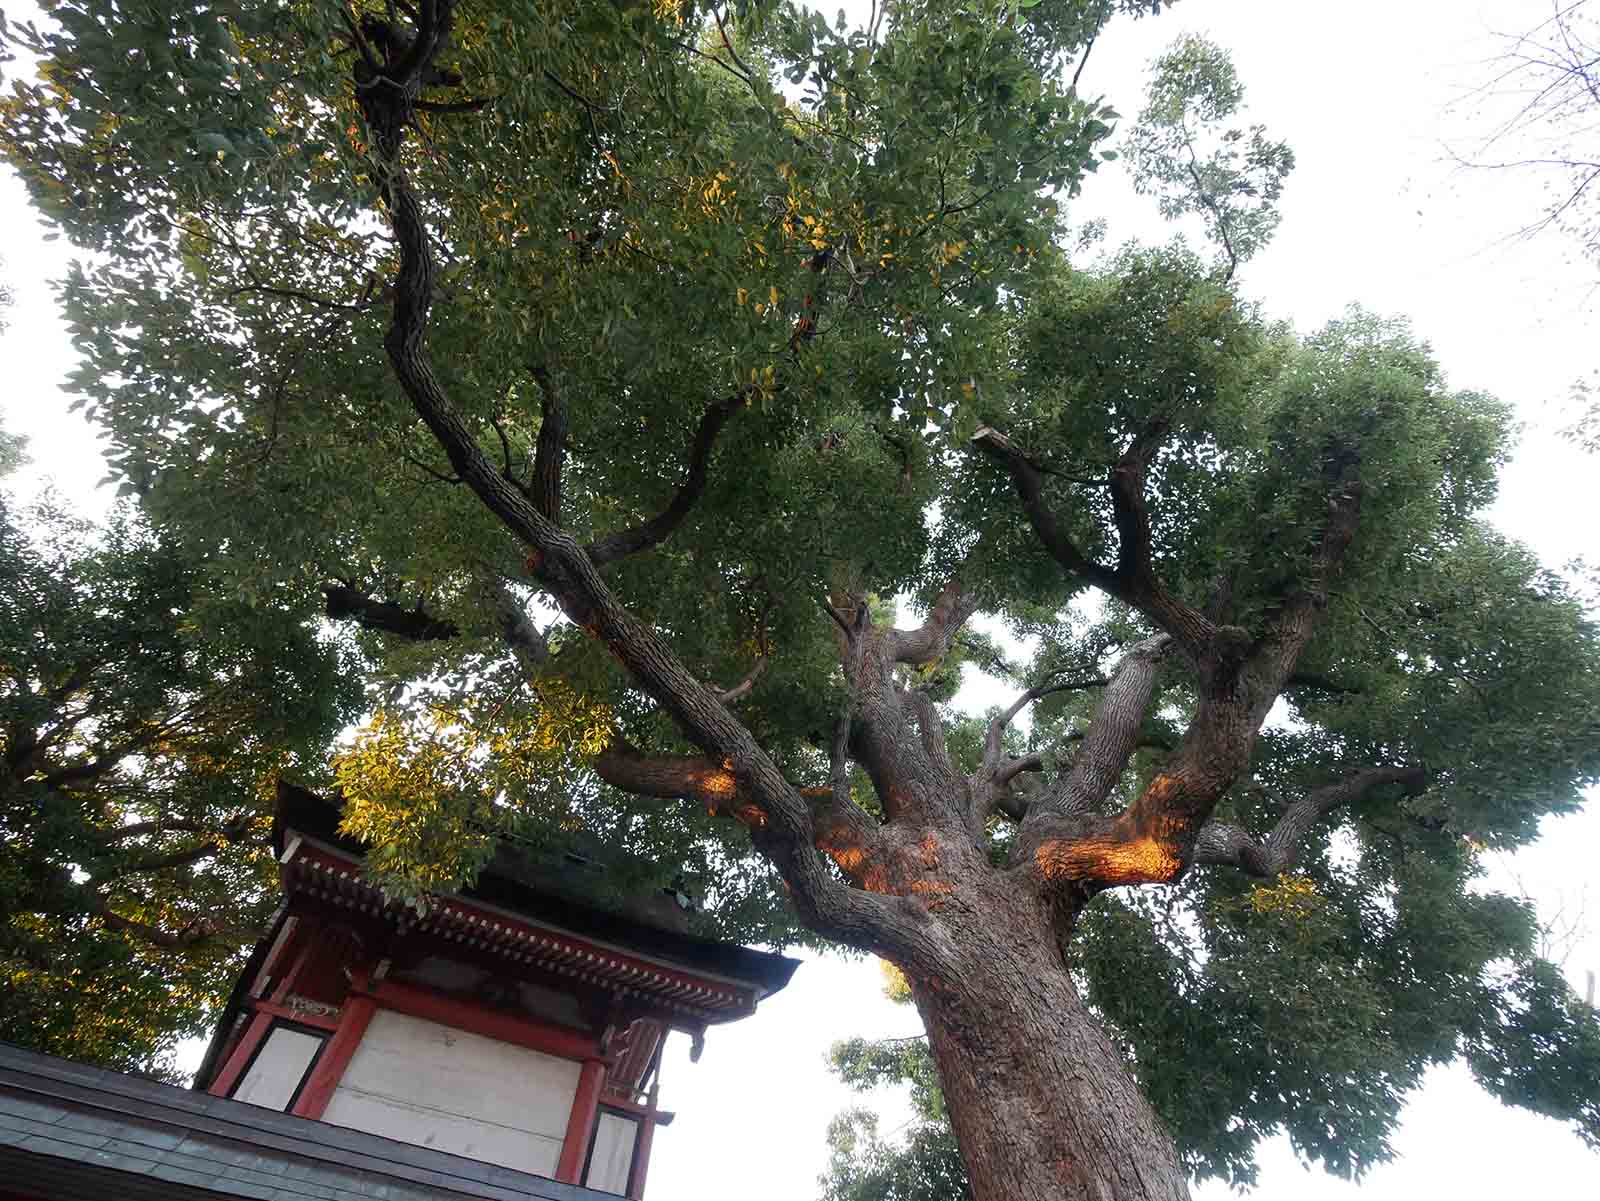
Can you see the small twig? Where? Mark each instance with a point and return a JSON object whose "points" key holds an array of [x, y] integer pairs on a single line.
{"points": [[454, 106], [727, 43], [1084, 61], [295, 294]]}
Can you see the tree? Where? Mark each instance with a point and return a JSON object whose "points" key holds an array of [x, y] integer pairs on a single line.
{"points": [[441, 318], [139, 725], [924, 1162], [1551, 76]]}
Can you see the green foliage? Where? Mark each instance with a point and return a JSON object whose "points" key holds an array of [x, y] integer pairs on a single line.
{"points": [[924, 1164], [1185, 152], [141, 718], [921, 1161], [865, 240]]}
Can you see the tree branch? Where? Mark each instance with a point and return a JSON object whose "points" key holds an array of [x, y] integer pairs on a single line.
{"points": [[1135, 553], [159, 863], [550, 454], [1134, 581], [745, 686], [842, 829], [930, 729], [931, 640], [781, 820], [1111, 737], [654, 531], [527, 642], [1220, 844], [1027, 478], [346, 603], [995, 733]]}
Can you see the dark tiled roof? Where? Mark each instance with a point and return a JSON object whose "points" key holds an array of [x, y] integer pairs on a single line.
{"points": [[77, 1133], [555, 898]]}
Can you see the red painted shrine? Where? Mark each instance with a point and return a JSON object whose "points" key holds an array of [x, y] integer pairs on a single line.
{"points": [[519, 1023]]}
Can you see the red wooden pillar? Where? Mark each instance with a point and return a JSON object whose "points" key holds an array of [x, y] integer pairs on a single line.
{"points": [[580, 1126], [335, 1057], [224, 1081]]}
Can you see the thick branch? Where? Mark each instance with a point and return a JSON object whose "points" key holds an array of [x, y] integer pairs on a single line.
{"points": [[930, 728], [843, 831], [345, 603], [140, 829], [160, 863], [551, 451], [1029, 483], [195, 932], [527, 642], [931, 640], [1290, 628], [1135, 553], [1112, 735], [674, 777], [1134, 581], [1221, 844], [784, 832], [656, 530]]}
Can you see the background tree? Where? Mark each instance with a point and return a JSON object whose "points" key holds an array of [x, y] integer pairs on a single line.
{"points": [[1549, 84], [919, 1162], [139, 727], [416, 316]]}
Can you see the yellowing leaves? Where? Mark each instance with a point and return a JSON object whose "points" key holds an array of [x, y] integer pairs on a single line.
{"points": [[427, 792], [1294, 897]]}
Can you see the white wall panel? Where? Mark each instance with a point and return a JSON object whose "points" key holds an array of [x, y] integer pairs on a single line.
{"points": [[424, 1083], [612, 1155], [278, 1068]]}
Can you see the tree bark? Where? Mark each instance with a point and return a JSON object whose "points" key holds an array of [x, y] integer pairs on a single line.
{"points": [[1042, 1104]]}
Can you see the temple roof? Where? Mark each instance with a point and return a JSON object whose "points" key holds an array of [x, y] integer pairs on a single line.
{"points": [[552, 890]]}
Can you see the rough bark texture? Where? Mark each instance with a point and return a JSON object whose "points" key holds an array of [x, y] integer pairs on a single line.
{"points": [[1042, 1104]]}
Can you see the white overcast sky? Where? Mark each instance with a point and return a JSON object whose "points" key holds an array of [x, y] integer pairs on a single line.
{"points": [[1373, 97]]}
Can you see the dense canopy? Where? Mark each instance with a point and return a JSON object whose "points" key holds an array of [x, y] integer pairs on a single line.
{"points": [[615, 376]]}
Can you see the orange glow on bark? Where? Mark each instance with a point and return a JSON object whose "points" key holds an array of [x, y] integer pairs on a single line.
{"points": [[716, 783], [849, 859], [1131, 852]]}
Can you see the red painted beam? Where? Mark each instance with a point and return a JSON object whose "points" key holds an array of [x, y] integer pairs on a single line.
{"points": [[520, 1029], [318, 1021]]}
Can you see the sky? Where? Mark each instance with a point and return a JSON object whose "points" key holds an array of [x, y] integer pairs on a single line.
{"points": [[1378, 100]]}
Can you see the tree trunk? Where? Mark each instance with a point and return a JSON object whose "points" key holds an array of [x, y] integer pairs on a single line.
{"points": [[1042, 1104]]}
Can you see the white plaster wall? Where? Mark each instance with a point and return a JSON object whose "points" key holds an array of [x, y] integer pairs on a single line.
{"points": [[612, 1154], [439, 1087], [278, 1069]]}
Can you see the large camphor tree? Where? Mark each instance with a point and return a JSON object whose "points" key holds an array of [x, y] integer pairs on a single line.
{"points": [[611, 370]]}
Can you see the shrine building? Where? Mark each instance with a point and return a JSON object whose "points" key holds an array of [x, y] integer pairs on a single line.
{"points": [[504, 1042]]}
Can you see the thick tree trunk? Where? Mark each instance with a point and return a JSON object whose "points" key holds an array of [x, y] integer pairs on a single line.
{"points": [[1043, 1106]]}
